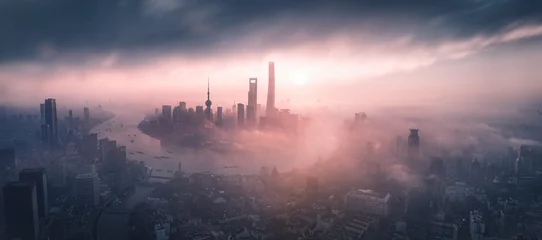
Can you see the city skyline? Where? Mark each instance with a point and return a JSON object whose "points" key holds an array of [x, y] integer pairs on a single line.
{"points": [[378, 58], [270, 120]]}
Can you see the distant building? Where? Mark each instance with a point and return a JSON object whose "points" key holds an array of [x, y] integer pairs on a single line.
{"points": [[460, 191], [116, 160], [443, 230], [252, 101], [51, 120], [87, 189], [38, 177], [200, 115], [21, 211], [436, 167], [182, 106], [413, 144], [240, 115], [7, 159], [477, 227], [270, 106], [367, 201], [45, 131], [42, 113], [86, 116], [57, 173], [166, 112], [219, 118], [476, 176], [106, 145]]}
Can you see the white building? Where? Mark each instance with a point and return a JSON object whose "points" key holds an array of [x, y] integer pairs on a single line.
{"points": [[87, 189], [367, 201], [477, 226]]}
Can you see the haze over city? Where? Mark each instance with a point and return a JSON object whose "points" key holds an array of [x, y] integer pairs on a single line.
{"points": [[285, 119]]}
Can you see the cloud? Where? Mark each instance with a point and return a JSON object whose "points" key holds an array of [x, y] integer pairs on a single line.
{"points": [[195, 27]]}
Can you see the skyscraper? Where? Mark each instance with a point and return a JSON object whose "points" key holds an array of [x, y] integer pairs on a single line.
{"points": [[200, 115], [166, 112], [87, 189], [38, 177], [51, 120], [270, 108], [42, 113], [208, 103], [240, 114], [86, 113], [21, 211], [219, 116], [45, 132], [413, 144], [252, 101], [182, 106]]}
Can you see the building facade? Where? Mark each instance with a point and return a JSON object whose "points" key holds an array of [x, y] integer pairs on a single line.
{"points": [[87, 189], [367, 201]]}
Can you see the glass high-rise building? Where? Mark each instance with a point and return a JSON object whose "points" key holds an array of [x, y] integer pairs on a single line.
{"points": [[38, 177], [252, 101], [21, 210], [270, 107], [240, 114], [51, 120]]}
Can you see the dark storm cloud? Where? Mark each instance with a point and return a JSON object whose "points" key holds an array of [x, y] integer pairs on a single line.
{"points": [[43, 29]]}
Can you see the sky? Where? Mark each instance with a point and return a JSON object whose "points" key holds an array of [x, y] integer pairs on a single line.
{"points": [[331, 53]]}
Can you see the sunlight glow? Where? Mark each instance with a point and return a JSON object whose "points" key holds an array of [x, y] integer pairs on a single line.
{"points": [[300, 78]]}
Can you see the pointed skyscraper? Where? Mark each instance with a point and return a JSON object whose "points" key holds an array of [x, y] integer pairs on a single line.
{"points": [[208, 103]]}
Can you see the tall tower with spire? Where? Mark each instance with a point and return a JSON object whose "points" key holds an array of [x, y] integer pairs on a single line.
{"points": [[208, 103]]}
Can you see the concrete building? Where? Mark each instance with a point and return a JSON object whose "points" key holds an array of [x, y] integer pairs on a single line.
{"points": [[182, 106], [443, 230], [252, 101], [38, 177], [106, 146], [87, 189], [21, 211], [219, 118], [413, 144], [367, 201], [166, 112], [86, 116], [240, 115], [270, 107], [42, 113], [460, 191], [51, 120], [477, 226]]}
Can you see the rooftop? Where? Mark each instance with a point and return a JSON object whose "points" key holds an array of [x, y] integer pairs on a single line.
{"points": [[86, 176], [368, 193]]}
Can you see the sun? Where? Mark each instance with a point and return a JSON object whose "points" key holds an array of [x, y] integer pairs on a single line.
{"points": [[300, 78]]}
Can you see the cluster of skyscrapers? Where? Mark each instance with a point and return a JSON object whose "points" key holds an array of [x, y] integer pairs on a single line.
{"points": [[247, 116], [49, 121]]}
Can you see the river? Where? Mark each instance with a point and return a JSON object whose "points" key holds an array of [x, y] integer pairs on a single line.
{"points": [[141, 147]]}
